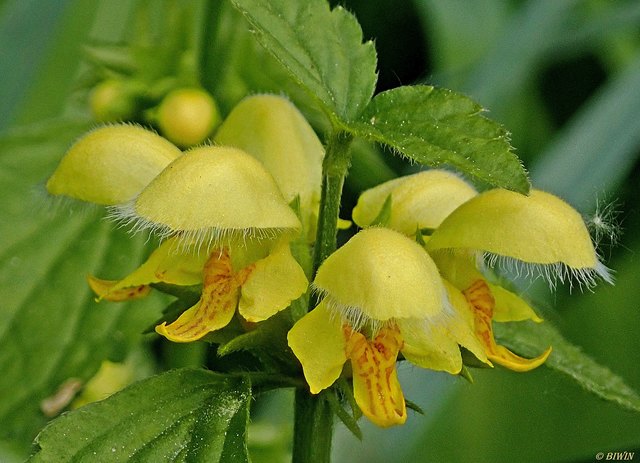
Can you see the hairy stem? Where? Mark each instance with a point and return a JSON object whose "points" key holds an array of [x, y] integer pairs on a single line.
{"points": [[334, 170], [312, 428], [313, 425]]}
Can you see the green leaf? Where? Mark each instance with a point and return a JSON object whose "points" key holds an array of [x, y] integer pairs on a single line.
{"points": [[530, 339], [51, 328], [183, 415], [267, 342], [321, 49], [435, 126]]}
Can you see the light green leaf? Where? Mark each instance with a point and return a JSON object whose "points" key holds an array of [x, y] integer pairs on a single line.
{"points": [[529, 339], [435, 126], [51, 329], [183, 415], [322, 49]]}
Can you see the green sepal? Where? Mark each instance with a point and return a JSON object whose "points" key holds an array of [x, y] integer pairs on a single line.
{"points": [[466, 374], [350, 420], [382, 219], [414, 406]]}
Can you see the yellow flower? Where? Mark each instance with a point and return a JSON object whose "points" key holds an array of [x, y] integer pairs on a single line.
{"points": [[229, 230], [271, 129], [538, 233], [381, 294], [112, 164], [226, 223], [258, 277]]}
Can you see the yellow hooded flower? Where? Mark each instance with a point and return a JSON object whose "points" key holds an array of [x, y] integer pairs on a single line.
{"points": [[381, 294], [227, 224], [258, 277], [209, 193], [539, 232], [271, 129], [112, 164]]}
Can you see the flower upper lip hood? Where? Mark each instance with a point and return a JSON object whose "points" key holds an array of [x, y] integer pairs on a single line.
{"points": [[272, 129], [421, 200], [394, 278], [112, 164], [535, 229], [209, 193]]}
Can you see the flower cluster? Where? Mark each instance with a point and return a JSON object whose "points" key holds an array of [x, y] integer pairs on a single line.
{"points": [[412, 283]]}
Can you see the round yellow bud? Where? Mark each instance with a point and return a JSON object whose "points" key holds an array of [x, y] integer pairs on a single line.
{"points": [[187, 116], [111, 165]]}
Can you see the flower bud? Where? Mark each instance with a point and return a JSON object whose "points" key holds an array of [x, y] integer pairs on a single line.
{"points": [[187, 116], [113, 100]]}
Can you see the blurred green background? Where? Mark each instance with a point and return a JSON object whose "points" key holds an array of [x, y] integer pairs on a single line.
{"points": [[562, 76]]}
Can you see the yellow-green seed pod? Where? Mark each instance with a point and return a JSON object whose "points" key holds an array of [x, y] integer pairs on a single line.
{"points": [[209, 193], [382, 275], [112, 164], [187, 116], [421, 200], [271, 129]]}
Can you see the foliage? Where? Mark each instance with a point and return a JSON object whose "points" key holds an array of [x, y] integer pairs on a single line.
{"points": [[51, 330]]}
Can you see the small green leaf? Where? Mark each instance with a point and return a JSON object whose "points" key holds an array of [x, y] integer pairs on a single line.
{"points": [[350, 421], [435, 127], [382, 219], [267, 342], [414, 406], [529, 339], [182, 415], [321, 49]]}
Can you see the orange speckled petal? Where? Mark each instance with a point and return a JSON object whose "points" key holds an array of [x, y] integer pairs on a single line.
{"points": [[375, 379], [481, 299], [104, 290], [214, 310]]}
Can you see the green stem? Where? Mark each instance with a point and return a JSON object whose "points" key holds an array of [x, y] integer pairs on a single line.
{"points": [[313, 425], [334, 169], [312, 428]]}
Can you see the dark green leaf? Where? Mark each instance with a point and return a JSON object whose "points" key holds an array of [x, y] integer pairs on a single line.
{"points": [[529, 339], [322, 49], [436, 127], [183, 415], [267, 342]]}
